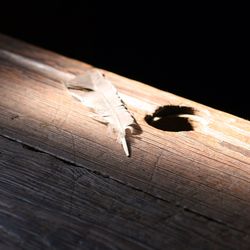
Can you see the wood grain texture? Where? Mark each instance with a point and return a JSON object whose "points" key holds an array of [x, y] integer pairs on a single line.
{"points": [[66, 184]]}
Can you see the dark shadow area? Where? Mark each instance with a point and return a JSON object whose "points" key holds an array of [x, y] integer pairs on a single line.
{"points": [[170, 118], [174, 48]]}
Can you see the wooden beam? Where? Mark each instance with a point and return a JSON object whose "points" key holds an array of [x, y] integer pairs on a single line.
{"points": [[66, 183]]}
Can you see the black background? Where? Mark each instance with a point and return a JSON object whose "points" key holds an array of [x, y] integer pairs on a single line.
{"points": [[197, 52]]}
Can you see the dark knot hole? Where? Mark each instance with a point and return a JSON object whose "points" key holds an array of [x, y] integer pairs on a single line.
{"points": [[173, 118]]}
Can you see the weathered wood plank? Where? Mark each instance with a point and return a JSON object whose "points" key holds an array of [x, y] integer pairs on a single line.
{"points": [[203, 173], [49, 203]]}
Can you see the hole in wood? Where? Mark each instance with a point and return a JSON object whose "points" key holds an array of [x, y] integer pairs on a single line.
{"points": [[175, 118]]}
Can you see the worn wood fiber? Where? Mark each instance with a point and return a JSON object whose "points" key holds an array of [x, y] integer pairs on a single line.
{"points": [[65, 183]]}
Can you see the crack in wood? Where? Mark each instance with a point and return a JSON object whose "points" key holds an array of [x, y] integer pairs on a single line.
{"points": [[66, 161], [212, 220]]}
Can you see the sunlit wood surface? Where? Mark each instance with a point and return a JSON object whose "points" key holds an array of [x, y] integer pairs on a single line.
{"points": [[65, 183]]}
